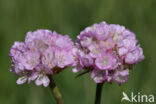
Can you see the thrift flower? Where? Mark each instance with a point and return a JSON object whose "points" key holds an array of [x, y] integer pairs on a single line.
{"points": [[108, 51], [42, 54]]}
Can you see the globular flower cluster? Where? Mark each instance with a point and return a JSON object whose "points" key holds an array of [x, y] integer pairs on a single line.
{"points": [[42, 54], [108, 51]]}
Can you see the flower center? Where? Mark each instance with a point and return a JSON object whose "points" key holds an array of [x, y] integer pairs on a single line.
{"points": [[104, 61]]}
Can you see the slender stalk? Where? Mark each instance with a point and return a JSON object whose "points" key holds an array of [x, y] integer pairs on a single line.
{"points": [[55, 91], [98, 93], [82, 73]]}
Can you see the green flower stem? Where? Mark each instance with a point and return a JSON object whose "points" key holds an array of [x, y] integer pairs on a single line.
{"points": [[98, 93], [55, 91]]}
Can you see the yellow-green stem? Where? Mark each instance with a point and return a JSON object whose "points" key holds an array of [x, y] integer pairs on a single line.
{"points": [[55, 91]]}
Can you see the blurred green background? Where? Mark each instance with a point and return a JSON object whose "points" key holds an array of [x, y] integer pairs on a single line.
{"points": [[70, 17]]}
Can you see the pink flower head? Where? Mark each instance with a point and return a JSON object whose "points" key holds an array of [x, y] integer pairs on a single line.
{"points": [[98, 75], [43, 53], [64, 58], [106, 62], [121, 76], [108, 51], [48, 58], [134, 56], [38, 40]]}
